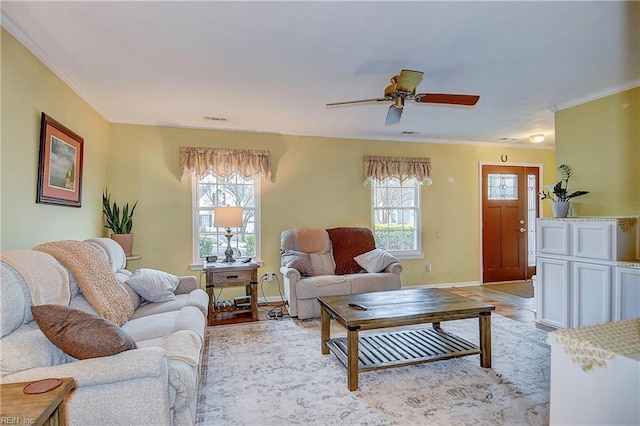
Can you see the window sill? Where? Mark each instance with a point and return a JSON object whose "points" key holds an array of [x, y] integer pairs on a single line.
{"points": [[408, 255], [200, 266]]}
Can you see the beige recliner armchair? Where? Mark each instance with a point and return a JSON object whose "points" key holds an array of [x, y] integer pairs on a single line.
{"points": [[337, 261]]}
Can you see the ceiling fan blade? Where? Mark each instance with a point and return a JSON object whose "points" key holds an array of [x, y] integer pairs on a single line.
{"points": [[395, 112], [409, 80], [357, 102], [443, 98], [393, 116]]}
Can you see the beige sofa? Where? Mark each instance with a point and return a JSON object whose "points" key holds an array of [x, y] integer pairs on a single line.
{"points": [[319, 262], [155, 384]]}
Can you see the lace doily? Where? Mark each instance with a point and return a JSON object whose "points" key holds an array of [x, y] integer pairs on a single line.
{"points": [[593, 345]]}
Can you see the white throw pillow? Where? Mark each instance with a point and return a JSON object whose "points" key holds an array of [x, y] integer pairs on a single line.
{"points": [[153, 285], [375, 260]]}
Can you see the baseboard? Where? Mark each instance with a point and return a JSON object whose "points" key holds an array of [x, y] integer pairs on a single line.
{"points": [[271, 299], [444, 285]]}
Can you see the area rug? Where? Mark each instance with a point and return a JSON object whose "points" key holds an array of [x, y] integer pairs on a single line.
{"points": [[272, 373], [520, 288]]}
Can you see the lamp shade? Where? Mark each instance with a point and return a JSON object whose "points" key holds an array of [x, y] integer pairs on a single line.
{"points": [[227, 217]]}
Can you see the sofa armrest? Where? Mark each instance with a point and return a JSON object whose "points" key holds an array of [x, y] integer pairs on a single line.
{"points": [[394, 268], [186, 284], [290, 277], [131, 387], [128, 365], [291, 274]]}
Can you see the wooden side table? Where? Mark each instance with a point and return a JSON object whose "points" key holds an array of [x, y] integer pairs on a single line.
{"points": [[232, 275], [17, 407]]}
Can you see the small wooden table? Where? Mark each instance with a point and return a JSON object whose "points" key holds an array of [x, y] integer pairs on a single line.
{"points": [[33, 409], [399, 308], [235, 274]]}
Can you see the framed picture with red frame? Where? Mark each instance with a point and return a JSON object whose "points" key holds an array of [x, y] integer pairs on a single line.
{"points": [[60, 164]]}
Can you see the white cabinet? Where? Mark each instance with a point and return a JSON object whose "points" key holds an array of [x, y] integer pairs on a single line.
{"points": [[552, 292], [587, 271], [626, 293], [591, 288]]}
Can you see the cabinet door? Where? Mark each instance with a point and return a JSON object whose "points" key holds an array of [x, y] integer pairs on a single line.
{"points": [[592, 240], [626, 294], [552, 292], [552, 237], [591, 290]]}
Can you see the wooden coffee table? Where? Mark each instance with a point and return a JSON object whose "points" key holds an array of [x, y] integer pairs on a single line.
{"points": [[397, 348]]}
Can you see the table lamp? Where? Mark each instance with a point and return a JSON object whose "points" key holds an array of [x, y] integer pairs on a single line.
{"points": [[228, 217]]}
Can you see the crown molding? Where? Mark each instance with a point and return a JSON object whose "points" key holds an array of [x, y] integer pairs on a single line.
{"points": [[618, 89]]}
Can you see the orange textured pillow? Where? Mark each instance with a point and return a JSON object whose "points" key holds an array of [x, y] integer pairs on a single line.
{"points": [[348, 243], [80, 334]]}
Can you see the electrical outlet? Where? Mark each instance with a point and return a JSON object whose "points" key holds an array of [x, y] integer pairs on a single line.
{"points": [[428, 267], [269, 276]]}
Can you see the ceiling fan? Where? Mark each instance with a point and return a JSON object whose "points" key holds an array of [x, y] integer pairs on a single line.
{"points": [[403, 87]]}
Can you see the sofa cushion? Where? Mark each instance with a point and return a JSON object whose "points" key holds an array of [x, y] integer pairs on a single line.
{"points": [[197, 298], [308, 288], [297, 260], [381, 281], [322, 264], [153, 285], [28, 348], [80, 334], [375, 260], [348, 243], [162, 324]]}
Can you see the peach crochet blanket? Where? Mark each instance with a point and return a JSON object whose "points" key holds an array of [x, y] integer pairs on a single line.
{"points": [[311, 240], [95, 278]]}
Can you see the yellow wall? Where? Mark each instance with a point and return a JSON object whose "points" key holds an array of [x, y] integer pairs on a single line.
{"points": [[317, 183], [29, 88], [600, 140]]}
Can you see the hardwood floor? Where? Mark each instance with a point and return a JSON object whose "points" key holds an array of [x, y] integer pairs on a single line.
{"points": [[513, 307]]}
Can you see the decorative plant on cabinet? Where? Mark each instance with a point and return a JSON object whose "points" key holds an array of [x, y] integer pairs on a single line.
{"points": [[559, 193]]}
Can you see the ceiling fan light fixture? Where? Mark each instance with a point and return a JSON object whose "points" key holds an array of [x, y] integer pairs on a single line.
{"points": [[537, 138]]}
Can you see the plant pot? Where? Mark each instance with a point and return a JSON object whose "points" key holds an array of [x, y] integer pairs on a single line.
{"points": [[560, 208], [125, 241]]}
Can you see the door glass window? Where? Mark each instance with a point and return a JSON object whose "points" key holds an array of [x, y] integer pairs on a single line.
{"points": [[532, 206], [502, 186]]}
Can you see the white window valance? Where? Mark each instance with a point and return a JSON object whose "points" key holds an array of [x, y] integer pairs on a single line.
{"points": [[225, 162], [402, 168]]}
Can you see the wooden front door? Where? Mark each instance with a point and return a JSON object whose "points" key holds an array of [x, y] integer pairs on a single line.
{"points": [[509, 209]]}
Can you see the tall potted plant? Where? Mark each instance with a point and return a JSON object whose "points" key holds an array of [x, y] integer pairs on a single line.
{"points": [[119, 221], [559, 193]]}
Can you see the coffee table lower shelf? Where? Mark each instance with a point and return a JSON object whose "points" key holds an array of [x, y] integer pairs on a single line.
{"points": [[399, 348]]}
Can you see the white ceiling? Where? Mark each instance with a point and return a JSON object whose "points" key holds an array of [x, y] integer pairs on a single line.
{"points": [[272, 66]]}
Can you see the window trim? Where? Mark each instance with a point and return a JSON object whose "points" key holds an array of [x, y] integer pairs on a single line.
{"points": [[417, 253], [195, 220]]}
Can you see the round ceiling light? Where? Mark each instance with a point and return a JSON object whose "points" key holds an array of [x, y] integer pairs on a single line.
{"points": [[537, 138]]}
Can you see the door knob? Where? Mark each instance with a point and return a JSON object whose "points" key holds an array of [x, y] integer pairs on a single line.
{"points": [[523, 230], [521, 221]]}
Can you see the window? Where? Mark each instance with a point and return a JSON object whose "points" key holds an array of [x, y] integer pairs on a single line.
{"points": [[396, 216], [211, 191]]}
